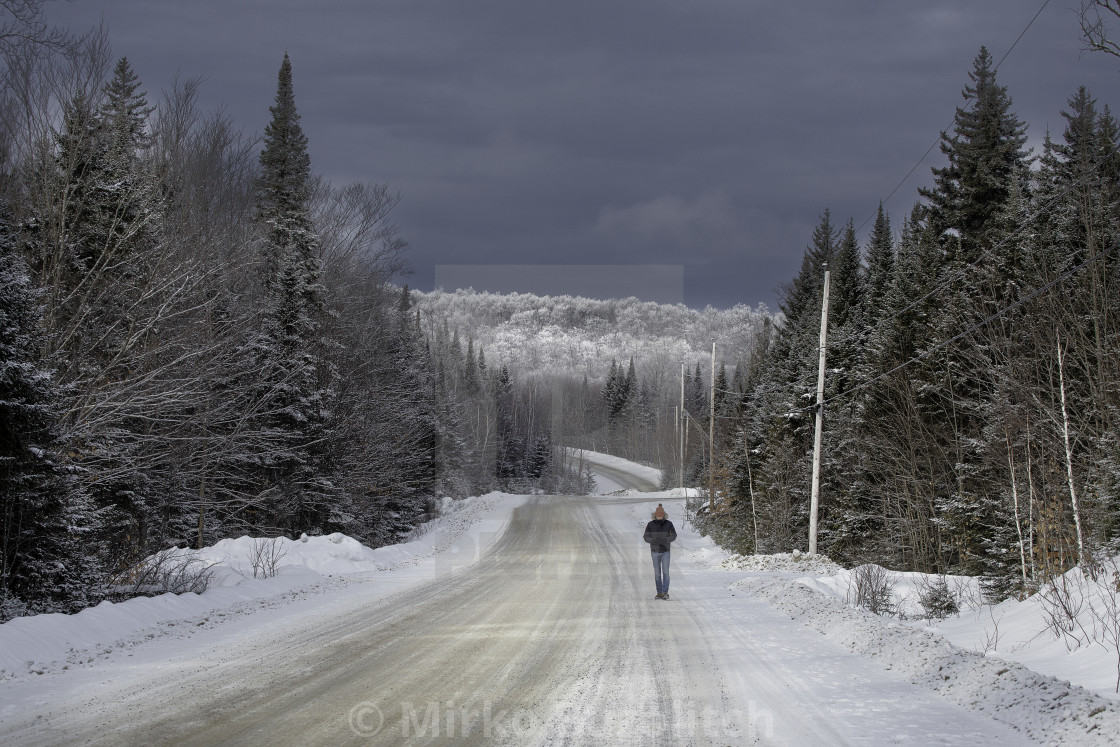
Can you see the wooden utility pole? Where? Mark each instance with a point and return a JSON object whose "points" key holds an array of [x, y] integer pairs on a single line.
{"points": [[814, 500], [750, 487], [712, 437], [683, 428]]}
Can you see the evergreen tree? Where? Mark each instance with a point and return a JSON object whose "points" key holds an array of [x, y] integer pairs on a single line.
{"points": [[539, 461], [294, 381], [846, 296], [418, 444], [880, 262], [95, 248], [801, 299], [510, 456], [124, 117], [696, 400], [44, 565], [903, 531], [987, 167], [470, 370], [723, 397], [985, 153]]}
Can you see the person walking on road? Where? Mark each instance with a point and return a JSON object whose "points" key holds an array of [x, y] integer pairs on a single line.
{"points": [[660, 533]]}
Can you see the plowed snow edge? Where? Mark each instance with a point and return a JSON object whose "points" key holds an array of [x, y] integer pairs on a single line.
{"points": [[1045, 709]]}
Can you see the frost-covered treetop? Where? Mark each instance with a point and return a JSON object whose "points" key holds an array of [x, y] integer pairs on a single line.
{"points": [[583, 335]]}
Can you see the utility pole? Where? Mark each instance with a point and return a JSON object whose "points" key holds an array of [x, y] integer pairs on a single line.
{"points": [[814, 501], [712, 437], [683, 428], [677, 423]]}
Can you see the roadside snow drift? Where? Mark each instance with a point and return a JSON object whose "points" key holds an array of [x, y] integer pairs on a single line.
{"points": [[302, 567]]}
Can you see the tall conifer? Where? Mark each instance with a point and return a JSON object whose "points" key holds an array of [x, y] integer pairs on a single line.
{"points": [[294, 380]]}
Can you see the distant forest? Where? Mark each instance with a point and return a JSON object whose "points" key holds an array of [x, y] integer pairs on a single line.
{"points": [[604, 375]]}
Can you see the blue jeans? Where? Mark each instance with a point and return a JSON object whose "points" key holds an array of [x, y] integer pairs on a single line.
{"points": [[661, 571]]}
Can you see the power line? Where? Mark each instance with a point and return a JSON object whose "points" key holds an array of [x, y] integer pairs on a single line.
{"points": [[939, 346], [946, 129], [1040, 211], [1022, 34], [992, 317], [952, 277]]}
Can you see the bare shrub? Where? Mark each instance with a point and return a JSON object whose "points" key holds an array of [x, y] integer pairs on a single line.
{"points": [[969, 596], [991, 635], [872, 588], [168, 571], [265, 555], [1063, 601]]}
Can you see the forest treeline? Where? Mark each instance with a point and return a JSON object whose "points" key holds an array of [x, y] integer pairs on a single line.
{"points": [[973, 366], [603, 374], [200, 338]]}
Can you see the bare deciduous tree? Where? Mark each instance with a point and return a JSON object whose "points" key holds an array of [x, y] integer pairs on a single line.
{"points": [[1095, 17]]}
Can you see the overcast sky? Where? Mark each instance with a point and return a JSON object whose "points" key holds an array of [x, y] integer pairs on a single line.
{"points": [[709, 134]]}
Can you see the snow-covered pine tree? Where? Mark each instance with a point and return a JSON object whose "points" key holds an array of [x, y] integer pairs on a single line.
{"points": [[509, 462], [94, 245], [45, 564], [987, 163], [294, 389], [904, 472], [696, 397], [469, 375], [880, 261], [985, 152], [418, 417]]}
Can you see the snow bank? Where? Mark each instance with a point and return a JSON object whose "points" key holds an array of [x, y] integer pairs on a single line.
{"points": [[786, 562], [906, 590], [337, 553], [303, 567], [1012, 630], [1019, 631], [1044, 708]]}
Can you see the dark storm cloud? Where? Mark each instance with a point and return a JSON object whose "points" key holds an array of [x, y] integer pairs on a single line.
{"points": [[708, 133]]}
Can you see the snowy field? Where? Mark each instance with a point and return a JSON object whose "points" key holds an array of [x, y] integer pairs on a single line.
{"points": [[797, 660]]}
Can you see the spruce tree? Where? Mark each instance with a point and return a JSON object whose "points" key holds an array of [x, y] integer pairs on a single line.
{"points": [[294, 382], [985, 152], [124, 117], [801, 299], [898, 529], [987, 166], [509, 465], [44, 564], [470, 370], [880, 262]]}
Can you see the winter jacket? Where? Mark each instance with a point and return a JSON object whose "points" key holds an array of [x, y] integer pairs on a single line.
{"points": [[659, 533]]}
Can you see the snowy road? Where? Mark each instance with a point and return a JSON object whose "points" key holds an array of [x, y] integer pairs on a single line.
{"points": [[552, 638]]}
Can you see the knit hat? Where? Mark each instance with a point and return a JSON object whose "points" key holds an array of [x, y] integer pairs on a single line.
{"points": [[660, 509]]}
